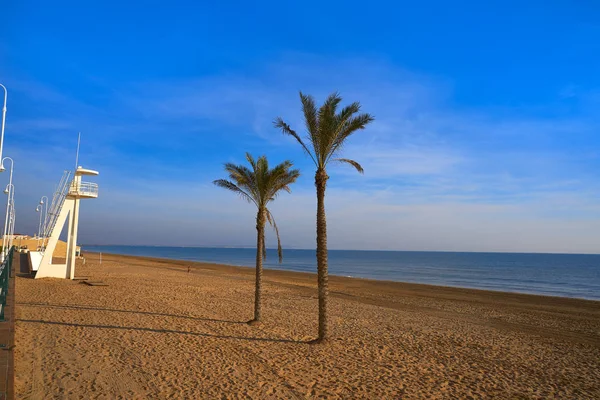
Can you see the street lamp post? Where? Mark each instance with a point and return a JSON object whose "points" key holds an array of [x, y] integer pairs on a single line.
{"points": [[13, 217], [9, 190], [9, 219], [42, 203], [39, 232], [3, 120]]}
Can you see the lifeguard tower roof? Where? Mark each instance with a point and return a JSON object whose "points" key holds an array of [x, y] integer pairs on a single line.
{"points": [[84, 171]]}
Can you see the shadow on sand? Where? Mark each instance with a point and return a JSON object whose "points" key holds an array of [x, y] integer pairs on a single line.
{"points": [[135, 328], [90, 308]]}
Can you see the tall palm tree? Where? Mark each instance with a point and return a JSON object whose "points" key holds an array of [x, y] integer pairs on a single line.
{"points": [[327, 132], [260, 185]]}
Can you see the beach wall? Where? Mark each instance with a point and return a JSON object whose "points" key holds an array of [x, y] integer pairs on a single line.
{"points": [[59, 252]]}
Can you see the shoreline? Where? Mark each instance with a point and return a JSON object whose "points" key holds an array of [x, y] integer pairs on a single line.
{"points": [[383, 281]]}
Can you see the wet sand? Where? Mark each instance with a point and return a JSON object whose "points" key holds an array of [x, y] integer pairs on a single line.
{"points": [[158, 331]]}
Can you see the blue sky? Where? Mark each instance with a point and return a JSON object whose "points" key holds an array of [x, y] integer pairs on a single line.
{"points": [[486, 133]]}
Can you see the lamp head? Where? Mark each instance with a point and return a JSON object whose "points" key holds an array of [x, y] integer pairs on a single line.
{"points": [[6, 191], [38, 209], [2, 169], [42, 201]]}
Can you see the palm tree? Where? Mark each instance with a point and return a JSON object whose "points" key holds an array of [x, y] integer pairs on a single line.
{"points": [[327, 132], [260, 185]]}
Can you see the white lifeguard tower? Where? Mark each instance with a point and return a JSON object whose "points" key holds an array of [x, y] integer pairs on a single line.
{"points": [[65, 203]]}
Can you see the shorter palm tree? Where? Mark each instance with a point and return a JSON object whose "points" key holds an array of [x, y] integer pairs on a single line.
{"points": [[260, 185]]}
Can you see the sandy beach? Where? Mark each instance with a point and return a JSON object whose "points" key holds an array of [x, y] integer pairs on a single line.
{"points": [[157, 331]]}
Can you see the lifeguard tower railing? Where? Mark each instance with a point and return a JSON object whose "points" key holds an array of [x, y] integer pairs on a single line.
{"points": [[83, 189], [56, 206]]}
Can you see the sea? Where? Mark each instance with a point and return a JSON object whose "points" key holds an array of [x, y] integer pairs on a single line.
{"points": [[563, 275]]}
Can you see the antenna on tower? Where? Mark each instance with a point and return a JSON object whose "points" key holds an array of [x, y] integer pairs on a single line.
{"points": [[77, 155]]}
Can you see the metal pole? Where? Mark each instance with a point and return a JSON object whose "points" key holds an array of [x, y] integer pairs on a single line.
{"points": [[12, 221], [4, 240], [42, 203], [13, 217], [3, 120], [40, 210], [10, 185], [11, 230], [77, 155], [46, 215]]}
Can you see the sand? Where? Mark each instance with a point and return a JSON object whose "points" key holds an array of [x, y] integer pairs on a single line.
{"points": [[158, 331]]}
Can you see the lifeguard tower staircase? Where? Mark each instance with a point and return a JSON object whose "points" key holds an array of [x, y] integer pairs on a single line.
{"points": [[65, 206]]}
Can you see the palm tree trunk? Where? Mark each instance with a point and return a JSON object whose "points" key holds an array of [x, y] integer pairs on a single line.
{"points": [[260, 245], [322, 274]]}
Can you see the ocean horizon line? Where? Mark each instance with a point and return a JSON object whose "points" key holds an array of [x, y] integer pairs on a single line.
{"points": [[357, 250]]}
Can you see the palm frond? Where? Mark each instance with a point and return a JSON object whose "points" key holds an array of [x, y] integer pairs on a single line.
{"points": [[280, 178], [309, 109], [264, 248], [349, 127], [234, 188], [327, 127], [271, 220], [244, 178], [348, 112], [285, 128], [250, 160], [311, 119], [239, 173], [261, 178], [356, 165]]}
